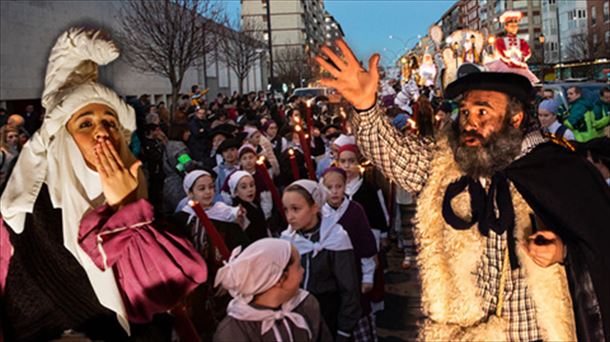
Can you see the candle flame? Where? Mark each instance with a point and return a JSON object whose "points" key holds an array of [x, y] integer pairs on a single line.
{"points": [[297, 128], [261, 160], [291, 152], [192, 203], [412, 123], [306, 136]]}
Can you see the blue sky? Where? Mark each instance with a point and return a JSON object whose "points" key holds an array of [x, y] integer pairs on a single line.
{"points": [[367, 24]]}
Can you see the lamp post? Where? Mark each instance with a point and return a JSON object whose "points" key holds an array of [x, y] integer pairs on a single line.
{"points": [[541, 40], [491, 41], [455, 46]]}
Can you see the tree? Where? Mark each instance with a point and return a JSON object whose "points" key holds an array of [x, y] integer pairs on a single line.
{"points": [[580, 48], [292, 66], [242, 45], [167, 37]]}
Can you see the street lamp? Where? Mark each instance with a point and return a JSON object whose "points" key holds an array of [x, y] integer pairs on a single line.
{"points": [[455, 46], [541, 40], [491, 41]]}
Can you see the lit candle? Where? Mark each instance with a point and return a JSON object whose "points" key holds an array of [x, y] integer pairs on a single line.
{"points": [[217, 240], [306, 152], [412, 123], [293, 165], [308, 115], [260, 167]]}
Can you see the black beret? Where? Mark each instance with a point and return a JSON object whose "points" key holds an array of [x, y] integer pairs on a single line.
{"points": [[227, 144], [511, 84], [221, 131]]}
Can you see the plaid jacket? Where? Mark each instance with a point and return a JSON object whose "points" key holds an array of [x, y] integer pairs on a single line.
{"points": [[406, 160], [403, 159]]}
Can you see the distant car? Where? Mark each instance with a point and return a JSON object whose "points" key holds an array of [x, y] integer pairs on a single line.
{"points": [[330, 93], [590, 91]]}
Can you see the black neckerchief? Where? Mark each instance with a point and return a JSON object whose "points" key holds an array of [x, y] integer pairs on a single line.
{"points": [[483, 206]]}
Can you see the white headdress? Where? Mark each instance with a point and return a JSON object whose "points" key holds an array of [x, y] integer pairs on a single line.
{"points": [[318, 191], [255, 270], [234, 178], [52, 157]]}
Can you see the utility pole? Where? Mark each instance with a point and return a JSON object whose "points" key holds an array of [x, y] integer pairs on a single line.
{"points": [[271, 80], [558, 36]]}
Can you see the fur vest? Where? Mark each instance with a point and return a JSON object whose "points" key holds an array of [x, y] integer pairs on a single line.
{"points": [[448, 260]]}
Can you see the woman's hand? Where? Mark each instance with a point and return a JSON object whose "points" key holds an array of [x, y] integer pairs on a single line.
{"points": [[357, 85], [118, 182], [545, 248]]}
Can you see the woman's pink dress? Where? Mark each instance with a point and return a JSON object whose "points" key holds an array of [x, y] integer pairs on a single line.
{"points": [[154, 268]]}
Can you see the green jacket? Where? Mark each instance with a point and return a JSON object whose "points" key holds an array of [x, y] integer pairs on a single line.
{"points": [[576, 113], [601, 109]]}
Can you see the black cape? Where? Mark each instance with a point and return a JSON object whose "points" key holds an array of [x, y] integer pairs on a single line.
{"points": [[572, 199]]}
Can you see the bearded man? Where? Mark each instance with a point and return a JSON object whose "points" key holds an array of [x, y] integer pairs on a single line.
{"points": [[512, 232]]}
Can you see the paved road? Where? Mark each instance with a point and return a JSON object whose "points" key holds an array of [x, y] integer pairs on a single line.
{"points": [[399, 320]]}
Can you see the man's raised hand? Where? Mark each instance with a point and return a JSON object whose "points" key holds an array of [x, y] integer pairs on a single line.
{"points": [[357, 85]]}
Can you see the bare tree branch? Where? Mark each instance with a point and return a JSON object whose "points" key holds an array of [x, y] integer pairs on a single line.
{"points": [[293, 65], [579, 49], [242, 45], [167, 37]]}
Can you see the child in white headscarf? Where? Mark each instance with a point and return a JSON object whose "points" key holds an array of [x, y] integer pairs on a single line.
{"points": [[326, 254], [268, 304], [206, 306], [242, 186]]}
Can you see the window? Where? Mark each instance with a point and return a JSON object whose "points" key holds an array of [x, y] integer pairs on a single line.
{"points": [[551, 2], [520, 4], [594, 39], [607, 38], [537, 20], [593, 15], [606, 11]]}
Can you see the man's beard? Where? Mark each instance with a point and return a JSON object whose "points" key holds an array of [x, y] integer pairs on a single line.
{"points": [[494, 154]]}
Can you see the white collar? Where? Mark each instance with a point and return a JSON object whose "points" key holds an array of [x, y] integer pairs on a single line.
{"points": [[554, 127], [332, 237], [335, 214], [352, 187], [242, 311]]}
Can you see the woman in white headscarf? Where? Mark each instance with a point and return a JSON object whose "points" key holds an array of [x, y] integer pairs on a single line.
{"points": [[84, 253], [268, 304]]}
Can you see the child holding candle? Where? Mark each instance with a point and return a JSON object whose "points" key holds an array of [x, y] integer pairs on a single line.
{"points": [[199, 186], [205, 307], [243, 191], [247, 161], [326, 254], [268, 305]]}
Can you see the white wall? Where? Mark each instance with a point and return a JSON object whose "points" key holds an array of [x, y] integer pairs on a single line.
{"points": [[28, 30]]}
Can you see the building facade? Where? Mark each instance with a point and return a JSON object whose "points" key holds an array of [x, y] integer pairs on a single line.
{"points": [[28, 30], [598, 27], [303, 24], [566, 29], [470, 14], [452, 19]]}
